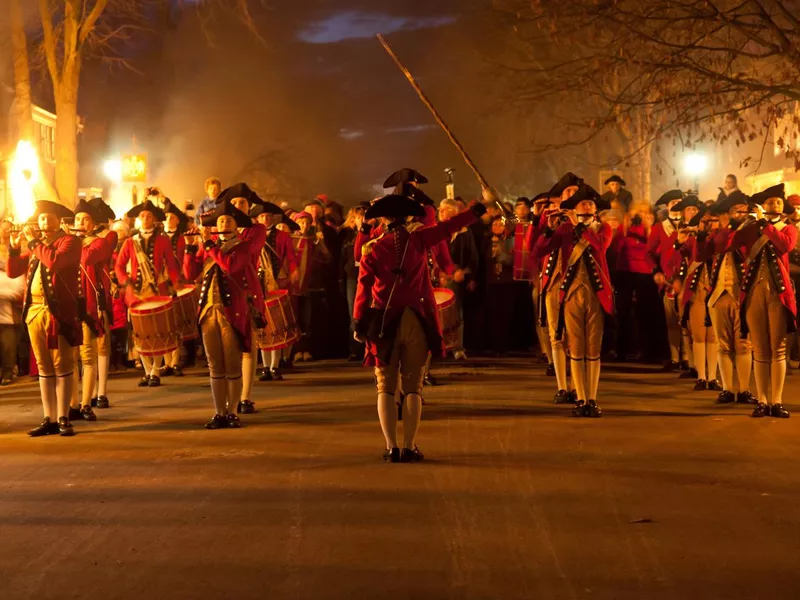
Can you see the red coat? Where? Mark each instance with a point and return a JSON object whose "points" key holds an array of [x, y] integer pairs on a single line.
{"points": [[694, 252], [599, 239], [238, 280], [162, 257], [178, 244], [661, 244], [278, 247], [630, 248], [376, 278], [95, 253], [107, 268], [776, 252], [60, 262]]}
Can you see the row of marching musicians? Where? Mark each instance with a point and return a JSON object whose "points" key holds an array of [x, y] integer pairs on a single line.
{"points": [[728, 270], [71, 282]]}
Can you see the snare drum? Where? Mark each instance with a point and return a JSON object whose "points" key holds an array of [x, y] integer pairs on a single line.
{"points": [[448, 317], [185, 311], [154, 329], [281, 330]]}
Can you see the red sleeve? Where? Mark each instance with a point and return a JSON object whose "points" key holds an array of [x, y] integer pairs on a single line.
{"points": [[256, 238], [65, 252], [112, 238], [97, 252], [287, 250], [654, 242], [180, 250], [784, 239], [168, 258], [123, 258], [545, 245], [430, 236], [193, 263], [601, 239], [366, 279], [233, 262], [17, 265]]}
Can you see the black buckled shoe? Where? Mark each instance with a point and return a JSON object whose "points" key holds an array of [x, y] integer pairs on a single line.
{"points": [[46, 427], [246, 407], [579, 410], [551, 370], [276, 374], [671, 366], [391, 456], [217, 422], [167, 371], [688, 374], [430, 380], [144, 381], [726, 397], [700, 385], [233, 422], [94, 403], [779, 412], [74, 414], [573, 396], [714, 385], [592, 410], [683, 365], [102, 402], [761, 410], [155, 381], [65, 427], [87, 414], [411, 455], [746, 397], [561, 397], [177, 371], [265, 375]]}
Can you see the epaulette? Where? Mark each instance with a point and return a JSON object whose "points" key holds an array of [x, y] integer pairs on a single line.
{"points": [[367, 247]]}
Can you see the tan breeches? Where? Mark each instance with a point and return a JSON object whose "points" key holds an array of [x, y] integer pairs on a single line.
{"points": [[552, 302], [697, 320], [583, 321], [766, 320], [223, 351], [542, 333], [51, 363], [727, 326], [408, 358], [90, 347]]}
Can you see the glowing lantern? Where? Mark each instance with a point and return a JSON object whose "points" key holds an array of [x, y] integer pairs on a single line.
{"points": [[23, 175]]}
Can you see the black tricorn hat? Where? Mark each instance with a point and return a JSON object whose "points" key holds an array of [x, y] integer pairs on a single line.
{"points": [[695, 220], [104, 209], [171, 209], [669, 196], [776, 191], [265, 207], [689, 200], [585, 192], [226, 208], [83, 206], [413, 192], [404, 176], [541, 198], [568, 180], [52, 208], [240, 190], [395, 206], [146, 206], [615, 179], [729, 201]]}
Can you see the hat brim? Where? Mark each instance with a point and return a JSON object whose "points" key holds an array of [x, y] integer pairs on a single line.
{"points": [[394, 206], [52, 208]]}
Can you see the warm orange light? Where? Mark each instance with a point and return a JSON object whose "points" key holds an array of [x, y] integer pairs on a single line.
{"points": [[23, 175]]}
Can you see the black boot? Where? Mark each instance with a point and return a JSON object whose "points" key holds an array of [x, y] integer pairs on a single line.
{"points": [[65, 427], [700, 385], [46, 427], [779, 412], [761, 410]]}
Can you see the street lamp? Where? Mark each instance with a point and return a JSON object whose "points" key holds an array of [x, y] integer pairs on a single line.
{"points": [[112, 169], [695, 164]]}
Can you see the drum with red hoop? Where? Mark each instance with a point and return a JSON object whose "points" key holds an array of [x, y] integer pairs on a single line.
{"points": [[154, 329], [448, 317], [281, 330], [185, 311]]}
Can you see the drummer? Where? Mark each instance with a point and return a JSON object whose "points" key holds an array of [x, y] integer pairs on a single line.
{"points": [[175, 223], [153, 268], [243, 198], [106, 286], [95, 252], [230, 300], [277, 270]]}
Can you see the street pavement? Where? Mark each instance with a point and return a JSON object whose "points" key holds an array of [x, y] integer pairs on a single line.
{"points": [[666, 496]]}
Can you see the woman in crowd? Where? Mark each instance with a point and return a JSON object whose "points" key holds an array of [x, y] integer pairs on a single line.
{"points": [[499, 257]]}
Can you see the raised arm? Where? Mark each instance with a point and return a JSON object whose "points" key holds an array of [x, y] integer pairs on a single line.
{"points": [[430, 236]]}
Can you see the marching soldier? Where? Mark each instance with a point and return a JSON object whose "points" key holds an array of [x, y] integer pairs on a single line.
{"points": [[695, 273], [768, 297], [231, 304], [395, 312], [661, 247], [552, 267], [51, 260], [277, 270], [540, 202], [95, 253], [585, 289], [724, 303], [153, 271]]}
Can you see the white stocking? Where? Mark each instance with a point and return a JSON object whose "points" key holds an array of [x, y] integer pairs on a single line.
{"points": [[102, 375], [87, 383], [579, 377], [265, 357], [593, 377], [276, 360], [47, 387], [147, 363], [234, 394], [711, 358], [219, 393], [700, 360], [412, 415], [387, 413], [63, 393], [726, 370], [157, 360], [777, 373], [248, 374], [560, 365], [761, 371], [744, 364]]}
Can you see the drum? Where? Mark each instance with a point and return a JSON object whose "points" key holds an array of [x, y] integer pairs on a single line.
{"points": [[281, 330], [154, 329], [448, 317], [185, 311]]}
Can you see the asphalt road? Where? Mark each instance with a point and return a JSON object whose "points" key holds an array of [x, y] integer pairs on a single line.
{"points": [[666, 496]]}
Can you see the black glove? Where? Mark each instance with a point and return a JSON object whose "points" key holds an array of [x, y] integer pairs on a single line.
{"points": [[478, 209]]}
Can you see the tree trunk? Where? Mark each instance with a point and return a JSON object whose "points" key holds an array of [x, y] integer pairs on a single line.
{"points": [[67, 143], [22, 74]]}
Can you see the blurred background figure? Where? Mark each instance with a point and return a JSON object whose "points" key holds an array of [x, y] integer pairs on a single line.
{"points": [[499, 256], [11, 293]]}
